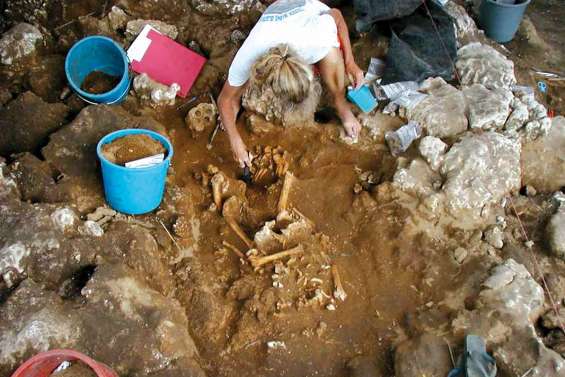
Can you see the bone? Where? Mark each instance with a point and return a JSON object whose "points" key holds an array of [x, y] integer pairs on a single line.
{"points": [[260, 261], [216, 182], [224, 187], [287, 184], [240, 233], [339, 292], [231, 247]]}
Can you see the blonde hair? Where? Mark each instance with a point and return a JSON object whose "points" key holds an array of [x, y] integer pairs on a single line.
{"points": [[288, 76], [286, 84]]}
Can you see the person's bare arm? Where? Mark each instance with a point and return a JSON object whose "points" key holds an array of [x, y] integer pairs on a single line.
{"points": [[351, 68], [229, 103]]}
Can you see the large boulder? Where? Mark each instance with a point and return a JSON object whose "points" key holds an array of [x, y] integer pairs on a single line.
{"points": [[18, 42], [480, 170], [509, 304], [487, 109], [442, 112], [556, 234], [27, 121], [481, 64], [113, 314], [543, 160]]}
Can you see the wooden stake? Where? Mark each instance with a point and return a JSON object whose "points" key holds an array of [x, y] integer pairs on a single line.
{"points": [[260, 261], [283, 198]]}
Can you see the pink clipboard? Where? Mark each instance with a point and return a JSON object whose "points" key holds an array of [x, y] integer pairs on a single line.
{"points": [[165, 60]]}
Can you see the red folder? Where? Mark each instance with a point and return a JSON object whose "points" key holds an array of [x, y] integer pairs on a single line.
{"points": [[168, 62]]}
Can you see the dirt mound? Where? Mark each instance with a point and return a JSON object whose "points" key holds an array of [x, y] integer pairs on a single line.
{"points": [[131, 148], [98, 82]]}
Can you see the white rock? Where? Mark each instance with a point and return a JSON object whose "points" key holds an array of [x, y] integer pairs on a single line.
{"points": [[556, 234], [19, 41], [134, 27], [543, 160], [92, 228], [488, 109], [480, 170], [482, 64], [460, 254], [442, 112], [117, 18], [494, 237], [154, 92], [432, 149], [63, 218]]}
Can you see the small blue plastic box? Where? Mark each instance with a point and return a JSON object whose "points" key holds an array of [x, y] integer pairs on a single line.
{"points": [[363, 98]]}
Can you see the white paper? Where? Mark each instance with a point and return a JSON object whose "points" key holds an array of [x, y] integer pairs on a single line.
{"points": [[139, 47], [145, 162], [396, 89], [409, 99]]}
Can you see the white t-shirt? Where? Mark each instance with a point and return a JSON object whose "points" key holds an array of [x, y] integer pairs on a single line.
{"points": [[304, 25]]}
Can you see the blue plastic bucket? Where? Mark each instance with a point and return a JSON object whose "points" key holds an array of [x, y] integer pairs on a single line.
{"points": [[501, 20], [98, 53], [134, 190]]}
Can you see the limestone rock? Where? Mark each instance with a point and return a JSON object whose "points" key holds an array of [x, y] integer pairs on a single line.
{"points": [[114, 299], [460, 254], [432, 149], [18, 42], [417, 179], [202, 117], [134, 27], [488, 109], [35, 179], [34, 321], [442, 112], [494, 237], [556, 234], [117, 18], [26, 122], [465, 27], [480, 169], [425, 355], [543, 160], [226, 7], [154, 93], [507, 307], [481, 64]]}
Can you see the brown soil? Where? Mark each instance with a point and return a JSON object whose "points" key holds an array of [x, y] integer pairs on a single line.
{"points": [[131, 148], [98, 82]]}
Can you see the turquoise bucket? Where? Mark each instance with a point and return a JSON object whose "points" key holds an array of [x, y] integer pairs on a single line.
{"points": [[501, 20], [98, 53], [134, 191]]}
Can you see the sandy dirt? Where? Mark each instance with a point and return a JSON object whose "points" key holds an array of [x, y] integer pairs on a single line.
{"points": [[97, 82], [131, 148]]}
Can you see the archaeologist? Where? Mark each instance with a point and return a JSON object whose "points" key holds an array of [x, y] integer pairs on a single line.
{"points": [[289, 38]]}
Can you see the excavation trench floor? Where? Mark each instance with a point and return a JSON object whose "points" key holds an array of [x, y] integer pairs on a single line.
{"points": [[382, 267]]}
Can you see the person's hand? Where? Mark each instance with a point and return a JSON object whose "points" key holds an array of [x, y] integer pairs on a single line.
{"points": [[355, 74], [240, 153]]}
